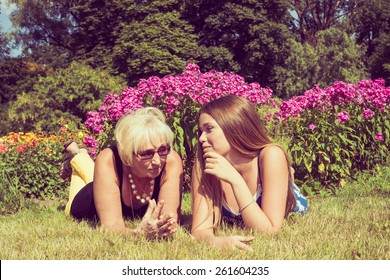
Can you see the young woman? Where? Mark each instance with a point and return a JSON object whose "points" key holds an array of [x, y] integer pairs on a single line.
{"points": [[139, 176], [239, 175]]}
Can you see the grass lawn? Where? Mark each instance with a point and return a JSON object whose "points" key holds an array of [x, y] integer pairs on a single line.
{"points": [[354, 224]]}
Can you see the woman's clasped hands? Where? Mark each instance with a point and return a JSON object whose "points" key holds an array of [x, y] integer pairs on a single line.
{"points": [[153, 226]]}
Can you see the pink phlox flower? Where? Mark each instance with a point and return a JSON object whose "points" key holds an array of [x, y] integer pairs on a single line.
{"points": [[90, 142], [169, 110], [130, 100], [342, 117], [379, 137], [292, 107], [115, 111], [359, 99], [315, 97], [375, 93], [368, 114], [172, 101], [312, 126], [110, 98], [341, 93], [95, 122], [191, 68]]}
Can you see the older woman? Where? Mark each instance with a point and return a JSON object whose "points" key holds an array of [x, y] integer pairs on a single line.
{"points": [[139, 176]]}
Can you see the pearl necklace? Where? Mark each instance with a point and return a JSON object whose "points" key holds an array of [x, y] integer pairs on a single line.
{"points": [[144, 197]]}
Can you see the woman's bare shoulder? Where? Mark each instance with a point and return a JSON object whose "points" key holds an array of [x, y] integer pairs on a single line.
{"points": [[272, 151], [105, 168], [106, 156], [174, 159]]}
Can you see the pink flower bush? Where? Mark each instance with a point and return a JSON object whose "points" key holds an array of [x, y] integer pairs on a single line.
{"points": [[92, 144], [347, 117], [368, 94], [342, 119], [173, 95]]}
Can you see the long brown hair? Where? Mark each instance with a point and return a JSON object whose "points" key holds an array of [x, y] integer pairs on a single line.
{"points": [[244, 131]]}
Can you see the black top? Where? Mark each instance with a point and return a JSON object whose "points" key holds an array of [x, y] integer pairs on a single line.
{"points": [[83, 205], [128, 211]]}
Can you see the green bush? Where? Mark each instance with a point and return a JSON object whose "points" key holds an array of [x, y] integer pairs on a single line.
{"points": [[30, 162], [69, 93], [11, 200], [34, 170]]}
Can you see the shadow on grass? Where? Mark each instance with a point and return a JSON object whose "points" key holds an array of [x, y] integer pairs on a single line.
{"points": [[185, 222]]}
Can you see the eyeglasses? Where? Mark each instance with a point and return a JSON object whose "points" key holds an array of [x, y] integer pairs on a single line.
{"points": [[149, 154]]}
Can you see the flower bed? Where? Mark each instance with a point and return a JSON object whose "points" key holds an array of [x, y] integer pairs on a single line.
{"points": [[338, 131]]}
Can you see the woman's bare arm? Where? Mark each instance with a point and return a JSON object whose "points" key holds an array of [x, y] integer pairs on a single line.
{"points": [[106, 192], [171, 186]]}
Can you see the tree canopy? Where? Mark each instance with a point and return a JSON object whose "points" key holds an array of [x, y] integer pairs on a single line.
{"points": [[68, 93], [287, 45]]}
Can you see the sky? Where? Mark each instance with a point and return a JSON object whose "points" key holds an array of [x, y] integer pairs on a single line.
{"points": [[5, 23]]}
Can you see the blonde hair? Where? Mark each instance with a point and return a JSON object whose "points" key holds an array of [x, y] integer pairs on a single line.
{"points": [[244, 131], [134, 129]]}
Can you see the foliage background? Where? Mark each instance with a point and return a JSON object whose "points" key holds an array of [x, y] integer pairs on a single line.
{"points": [[287, 45], [77, 53]]}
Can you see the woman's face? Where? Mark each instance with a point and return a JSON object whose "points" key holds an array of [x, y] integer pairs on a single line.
{"points": [[150, 161], [212, 137]]}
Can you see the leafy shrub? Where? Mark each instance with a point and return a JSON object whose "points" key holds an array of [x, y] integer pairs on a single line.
{"points": [[11, 200], [31, 162], [337, 131], [68, 93]]}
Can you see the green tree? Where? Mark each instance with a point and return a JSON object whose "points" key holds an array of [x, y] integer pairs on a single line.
{"points": [[308, 17], [369, 21], [44, 30], [12, 70], [254, 32], [379, 61], [298, 73], [4, 48], [160, 44], [131, 38], [69, 93], [371, 26], [267, 51], [15, 76], [339, 58], [4, 55], [99, 24], [336, 57]]}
